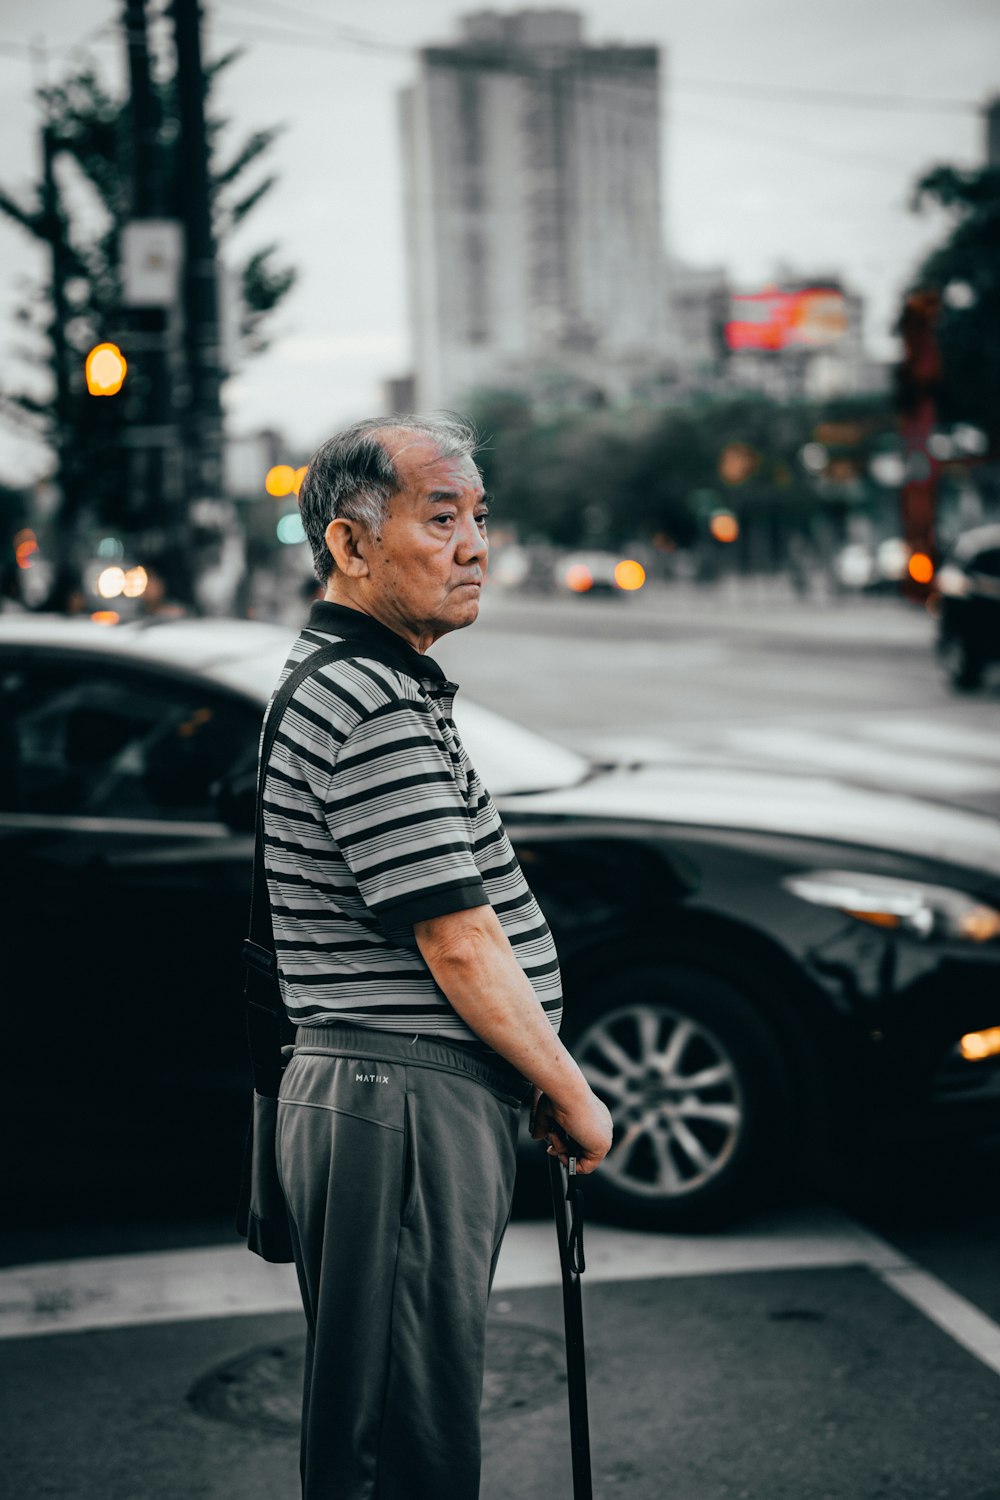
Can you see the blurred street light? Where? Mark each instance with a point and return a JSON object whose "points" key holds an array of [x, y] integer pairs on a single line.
{"points": [[959, 295], [724, 526], [579, 578], [106, 368], [888, 468], [737, 462], [290, 529], [136, 580], [25, 547], [629, 574], [283, 480], [111, 582], [814, 457]]}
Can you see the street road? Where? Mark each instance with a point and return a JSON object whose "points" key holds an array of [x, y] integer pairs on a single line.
{"points": [[849, 688], [845, 1346]]}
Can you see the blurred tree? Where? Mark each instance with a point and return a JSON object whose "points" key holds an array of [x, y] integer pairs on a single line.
{"points": [[963, 271], [76, 213], [611, 477]]}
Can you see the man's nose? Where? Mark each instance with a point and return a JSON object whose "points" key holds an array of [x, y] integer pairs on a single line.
{"points": [[472, 543]]}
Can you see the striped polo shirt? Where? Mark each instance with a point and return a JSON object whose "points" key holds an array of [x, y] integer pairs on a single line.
{"points": [[374, 819]]}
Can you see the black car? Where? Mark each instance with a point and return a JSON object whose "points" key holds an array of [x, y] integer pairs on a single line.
{"points": [[754, 964], [968, 585]]}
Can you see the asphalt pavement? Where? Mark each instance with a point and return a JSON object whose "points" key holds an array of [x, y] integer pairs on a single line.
{"points": [[837, 1349], [796, 1357], [741, 675]]}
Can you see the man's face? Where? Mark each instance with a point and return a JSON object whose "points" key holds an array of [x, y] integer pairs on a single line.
{"points": [[428, 561]]}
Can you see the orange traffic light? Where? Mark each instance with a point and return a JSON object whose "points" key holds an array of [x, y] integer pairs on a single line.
{"points": [[280, 480], [105, 368], [284, 480], [920, 567]]}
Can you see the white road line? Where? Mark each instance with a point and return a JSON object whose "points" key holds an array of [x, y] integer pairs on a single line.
{"points": [[952, 1313], [808, 748], [76, 1296]]}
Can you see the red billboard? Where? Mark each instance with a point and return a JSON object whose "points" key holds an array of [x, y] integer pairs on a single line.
{"points": [[773, 319]]}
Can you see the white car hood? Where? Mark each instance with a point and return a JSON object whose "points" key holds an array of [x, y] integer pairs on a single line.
{"points": [[800, 806]]}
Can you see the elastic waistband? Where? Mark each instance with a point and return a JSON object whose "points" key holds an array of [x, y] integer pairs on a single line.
{"points": [[338, 1039]]}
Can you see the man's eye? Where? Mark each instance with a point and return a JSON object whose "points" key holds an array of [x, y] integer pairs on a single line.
{"points": [[482, 518], [445, 517]]}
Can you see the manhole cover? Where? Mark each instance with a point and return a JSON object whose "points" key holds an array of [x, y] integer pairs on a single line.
{"points": [[262, 1388], [525, 1366]]}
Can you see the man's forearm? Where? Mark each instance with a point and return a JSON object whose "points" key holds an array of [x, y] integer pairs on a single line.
{"points": [[478, 972]]}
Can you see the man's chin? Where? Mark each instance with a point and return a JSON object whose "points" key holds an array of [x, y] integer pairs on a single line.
{"points": [[461, 612]]}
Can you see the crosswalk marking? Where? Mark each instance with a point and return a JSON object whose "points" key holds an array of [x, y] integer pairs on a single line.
{"points": [[959, 740], [889, 767], [218, 1281], [899, 754]]}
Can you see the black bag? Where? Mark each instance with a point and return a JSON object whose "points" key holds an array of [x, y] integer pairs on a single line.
{"points": [[261, 1215]]}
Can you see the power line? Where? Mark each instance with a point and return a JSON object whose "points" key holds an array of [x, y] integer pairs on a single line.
{"points": [[341, 37], [839, 97], [789, 142], [351, 36], [28, 50]]}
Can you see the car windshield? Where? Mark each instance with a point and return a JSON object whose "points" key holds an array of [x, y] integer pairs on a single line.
{"points": [[509, 758]]}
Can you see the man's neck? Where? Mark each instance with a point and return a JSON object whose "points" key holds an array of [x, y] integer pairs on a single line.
{"points": [[339, 591]]}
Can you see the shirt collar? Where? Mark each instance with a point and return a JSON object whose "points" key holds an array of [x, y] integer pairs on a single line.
{"points": [[384, 643]]}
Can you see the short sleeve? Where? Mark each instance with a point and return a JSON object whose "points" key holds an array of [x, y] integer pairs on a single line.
{"points": [[401, 821]]}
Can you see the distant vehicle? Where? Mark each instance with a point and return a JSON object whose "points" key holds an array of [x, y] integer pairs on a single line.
{"points": [[878, 567], [527, 567], [598, 573], [968, 584], [754, 963]]}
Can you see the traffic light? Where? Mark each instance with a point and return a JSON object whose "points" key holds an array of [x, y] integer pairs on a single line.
{"points": [[282, 480], [105, 368]]}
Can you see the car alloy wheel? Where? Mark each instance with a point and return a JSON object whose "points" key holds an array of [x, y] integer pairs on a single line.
{"points": [[674, 1093]]}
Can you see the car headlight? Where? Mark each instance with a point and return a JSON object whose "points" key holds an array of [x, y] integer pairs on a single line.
{"points": [[924, 911]]}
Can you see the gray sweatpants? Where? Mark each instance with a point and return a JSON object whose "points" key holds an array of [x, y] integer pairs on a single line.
{"points": [[397, 1159]]}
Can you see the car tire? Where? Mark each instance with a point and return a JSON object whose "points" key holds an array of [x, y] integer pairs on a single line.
{"points": [[685, 1158], [963, 670]]}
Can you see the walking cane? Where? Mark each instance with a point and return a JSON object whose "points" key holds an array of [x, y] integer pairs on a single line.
{"points": [[567, 1204]]}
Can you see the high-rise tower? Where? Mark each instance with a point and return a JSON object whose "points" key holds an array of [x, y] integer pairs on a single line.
{"points": [[533, 210]]}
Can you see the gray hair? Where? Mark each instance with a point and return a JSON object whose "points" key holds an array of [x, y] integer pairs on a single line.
{"points": [[352, 475]]}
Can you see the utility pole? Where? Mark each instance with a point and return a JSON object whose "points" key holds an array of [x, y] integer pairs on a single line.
{"points": [[991, 131], [55, 233], [150, 275], [204, 428], [918, 383]]}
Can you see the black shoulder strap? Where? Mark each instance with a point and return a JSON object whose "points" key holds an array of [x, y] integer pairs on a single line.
{"points": [[265, 1012]]}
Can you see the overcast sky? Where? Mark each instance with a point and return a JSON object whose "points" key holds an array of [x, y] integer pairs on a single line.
{"points": [[751, 179]]}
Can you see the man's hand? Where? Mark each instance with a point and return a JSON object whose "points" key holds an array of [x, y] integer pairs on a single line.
{"points": [[471, 959], [587, 1124]]}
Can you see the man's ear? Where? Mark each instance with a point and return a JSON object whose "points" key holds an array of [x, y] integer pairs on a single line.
{"points": [[346, 541]]}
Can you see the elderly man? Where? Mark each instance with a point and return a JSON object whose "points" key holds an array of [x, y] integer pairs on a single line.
{"points": [[420, 974]]}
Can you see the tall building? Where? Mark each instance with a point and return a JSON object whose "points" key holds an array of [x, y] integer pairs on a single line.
{"points": [[532, 179]]}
